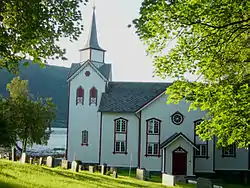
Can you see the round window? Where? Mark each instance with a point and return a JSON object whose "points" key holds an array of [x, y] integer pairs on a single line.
{"points": [[87, 73], [177, 118]]}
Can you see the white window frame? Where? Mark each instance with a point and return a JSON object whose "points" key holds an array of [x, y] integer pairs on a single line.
{"points": [[198, 153], [152, 124], [153, 145], [230, 151], [85, 137], [121, 126], [120, 147]]}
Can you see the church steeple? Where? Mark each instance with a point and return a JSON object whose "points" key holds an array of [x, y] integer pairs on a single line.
{"points": [[93, 39], [92, 50]]}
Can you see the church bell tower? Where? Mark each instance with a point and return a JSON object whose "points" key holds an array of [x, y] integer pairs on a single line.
{"points": [[92, 50]]}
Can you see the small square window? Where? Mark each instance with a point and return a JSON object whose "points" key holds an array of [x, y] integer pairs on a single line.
{"points": [[202, 150], [153, 149], [153, 126], [230, 151], [120, 146], [121, 126]]}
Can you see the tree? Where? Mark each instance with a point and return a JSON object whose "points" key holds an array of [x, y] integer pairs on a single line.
{"points": [[32, 29], [212, 42], [31, 116]]}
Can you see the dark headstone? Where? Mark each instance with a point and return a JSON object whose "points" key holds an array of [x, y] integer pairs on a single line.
{"points": [[140, 174], [115, 174], [40, 161], [91, 169], [50, 162], [204, 183], [104, 169], [75, 166], [65, 164]]}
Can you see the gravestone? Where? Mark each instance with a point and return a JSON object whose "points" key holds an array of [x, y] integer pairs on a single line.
{"points": [[91, 169], [147, 175], [13, 154], [112, 169], [23, 158], [40, 161], [80, 167], [65, 164], [168, 180], [31, 160], [140, 174], [104, 169], [204, 183], [50, 162], [75, 166], [115, 174]]}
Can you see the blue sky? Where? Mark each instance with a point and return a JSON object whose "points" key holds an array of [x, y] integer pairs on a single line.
{"points": [[124, 49]]}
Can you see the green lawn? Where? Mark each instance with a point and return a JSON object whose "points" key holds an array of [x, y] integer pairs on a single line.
{"points": [[16, 175]]}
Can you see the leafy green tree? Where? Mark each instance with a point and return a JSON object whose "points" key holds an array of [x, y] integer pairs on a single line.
{"points": [[7, 132], [211, 41], [31, 116], [32, 29]]}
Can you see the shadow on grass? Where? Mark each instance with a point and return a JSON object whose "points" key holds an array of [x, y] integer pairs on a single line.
{"points": [[7, 175], [9, 185]]}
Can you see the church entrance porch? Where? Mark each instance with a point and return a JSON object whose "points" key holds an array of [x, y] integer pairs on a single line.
{"points": [[177, 155], [179, 162]]}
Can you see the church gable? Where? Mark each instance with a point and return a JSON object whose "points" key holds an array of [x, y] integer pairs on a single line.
{"points": [[103, 71]]}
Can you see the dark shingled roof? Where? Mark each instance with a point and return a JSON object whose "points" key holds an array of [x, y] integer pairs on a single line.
{"points": [[105, 69], [129, 96]]}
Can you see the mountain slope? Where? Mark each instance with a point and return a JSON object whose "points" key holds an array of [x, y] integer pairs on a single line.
{"points": [[45, 82]]}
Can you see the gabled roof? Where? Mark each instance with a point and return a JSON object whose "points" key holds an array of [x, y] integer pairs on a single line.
{"points": [[104, 70], [174, 137], [129, 96]]}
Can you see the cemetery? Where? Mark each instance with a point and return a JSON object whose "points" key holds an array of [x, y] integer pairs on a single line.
{"points": [[54, 172]]}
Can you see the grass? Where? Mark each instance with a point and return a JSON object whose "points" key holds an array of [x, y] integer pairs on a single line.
{"points": [[16, 175]]}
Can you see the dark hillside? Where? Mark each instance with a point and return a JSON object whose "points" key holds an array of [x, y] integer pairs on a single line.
{"points": [[46, 82]]}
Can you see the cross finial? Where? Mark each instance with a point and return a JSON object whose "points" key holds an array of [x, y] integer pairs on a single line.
{"points": [[93, 4]]}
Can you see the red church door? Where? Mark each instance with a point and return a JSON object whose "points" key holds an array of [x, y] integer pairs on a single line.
{"points": [[179, 162]]}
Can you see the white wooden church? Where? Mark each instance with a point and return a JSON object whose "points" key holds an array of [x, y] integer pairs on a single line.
{"points": [[129, 124]]}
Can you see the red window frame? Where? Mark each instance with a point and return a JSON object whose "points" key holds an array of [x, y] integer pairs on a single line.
{"points": [[153, 134], [121, 120], [93, 96], [85, 133], [196, 123], [80, 95]]}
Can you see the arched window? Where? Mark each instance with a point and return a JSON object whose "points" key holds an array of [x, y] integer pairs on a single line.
{"points": [[84, 138], [120, 136], [93, 96], [79, 95], [153, 130]]}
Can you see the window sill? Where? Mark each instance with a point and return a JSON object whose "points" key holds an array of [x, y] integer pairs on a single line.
{"points": [[202, 157], [153, 134], [84, 144], [151, 155], [124, 153], [229, 156], [121, 132]]}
